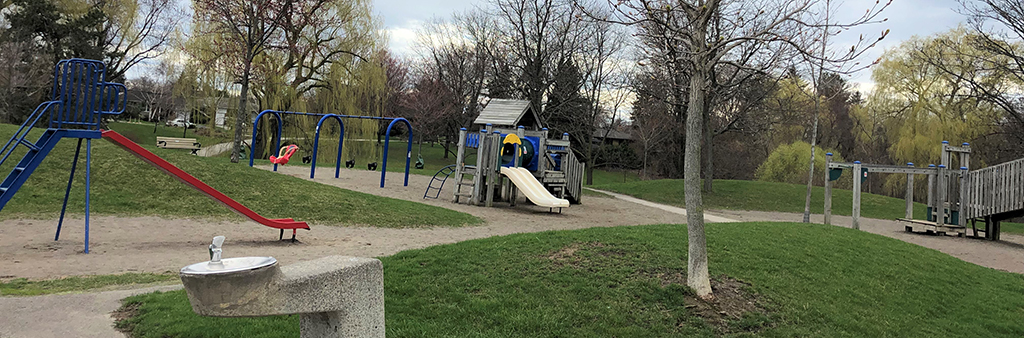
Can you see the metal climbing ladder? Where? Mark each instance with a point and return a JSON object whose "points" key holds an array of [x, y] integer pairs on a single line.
{"points": [[79, 99], [447, 171]]}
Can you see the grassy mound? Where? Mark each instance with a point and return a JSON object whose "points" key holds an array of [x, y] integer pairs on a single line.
{"points": [[123, 185], [806, 280]]}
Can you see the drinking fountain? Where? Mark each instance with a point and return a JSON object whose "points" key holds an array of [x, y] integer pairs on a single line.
{"points": [[335, 296]]}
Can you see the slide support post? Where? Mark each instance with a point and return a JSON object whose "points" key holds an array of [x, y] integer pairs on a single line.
{"points": [[64, 207], [88, 186]]}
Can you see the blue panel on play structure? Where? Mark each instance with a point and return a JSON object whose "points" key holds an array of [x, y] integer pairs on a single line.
{"points": [[530, 162], [473, 140]]}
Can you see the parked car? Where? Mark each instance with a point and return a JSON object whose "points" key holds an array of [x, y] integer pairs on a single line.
{"points": [[180, 122]]}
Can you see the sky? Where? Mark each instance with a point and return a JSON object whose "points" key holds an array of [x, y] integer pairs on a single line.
{"points": [[906, 18]]}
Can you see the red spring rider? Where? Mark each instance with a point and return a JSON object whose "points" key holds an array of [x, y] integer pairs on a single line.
{"points": [[284, 154]]}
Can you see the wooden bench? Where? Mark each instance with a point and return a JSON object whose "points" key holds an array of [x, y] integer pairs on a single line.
{"points": [[178, 143]]}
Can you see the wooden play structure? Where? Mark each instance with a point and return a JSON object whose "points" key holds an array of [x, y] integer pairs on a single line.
{"points": [[513, 155], [956, 198]]}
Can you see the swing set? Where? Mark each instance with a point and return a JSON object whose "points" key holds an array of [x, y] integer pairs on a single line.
{"points": [[286, 152]]}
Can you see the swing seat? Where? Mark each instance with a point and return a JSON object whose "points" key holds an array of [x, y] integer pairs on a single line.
{"points": [[284, 155]]}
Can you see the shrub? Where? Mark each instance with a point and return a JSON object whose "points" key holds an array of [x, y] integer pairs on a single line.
{"points": [[788, 164]]}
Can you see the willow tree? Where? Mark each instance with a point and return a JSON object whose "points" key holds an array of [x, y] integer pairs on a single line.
{"points": [[288, 46], [242, 30], [923, 96]]}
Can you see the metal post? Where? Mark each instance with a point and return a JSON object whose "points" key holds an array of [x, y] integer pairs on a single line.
{"points": [[856, 194], [64, 207], [828, 189], [88, 185], [910, 193]]}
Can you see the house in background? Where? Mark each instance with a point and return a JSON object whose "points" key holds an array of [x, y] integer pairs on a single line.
{"points": [[613, 137]]}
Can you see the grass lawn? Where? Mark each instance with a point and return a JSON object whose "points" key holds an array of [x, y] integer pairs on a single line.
{"points": [[766, 196], [144, 133], [772, 196], [809, 281], [123, 185], [602, 177], [24, 287]]}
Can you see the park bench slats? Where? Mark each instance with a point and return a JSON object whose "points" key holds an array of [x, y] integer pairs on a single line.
{"points": [[178, 143]]}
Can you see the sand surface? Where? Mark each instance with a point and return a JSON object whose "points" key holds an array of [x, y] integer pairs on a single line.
{"points": [[153, 244]]}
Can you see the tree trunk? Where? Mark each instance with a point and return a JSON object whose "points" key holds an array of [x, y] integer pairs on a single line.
{"points": [[242, 114], [590, 161], [446, 145], [643, 172], [810, 170], [697, 267]]}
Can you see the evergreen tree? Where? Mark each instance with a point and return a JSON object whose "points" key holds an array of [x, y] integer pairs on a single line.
{"points": [[566, 107]]}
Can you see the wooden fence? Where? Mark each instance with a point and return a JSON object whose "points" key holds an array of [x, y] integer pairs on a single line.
{"points": [[574, 171], [994, 190]]}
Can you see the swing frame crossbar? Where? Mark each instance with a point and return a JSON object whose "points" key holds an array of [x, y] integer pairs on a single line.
{"points": [[278, 115], [943, 205]]}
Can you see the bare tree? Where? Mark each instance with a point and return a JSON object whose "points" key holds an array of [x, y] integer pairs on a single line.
{"points": [[142, 34], [693, 25], [244, 29], [540, 35], [650, 127], [21, 76], [819, 58], [999, 26], [456, 54]]}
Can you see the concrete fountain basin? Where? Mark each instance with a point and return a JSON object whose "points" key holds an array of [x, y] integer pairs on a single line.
{"points": [[336, 296]]}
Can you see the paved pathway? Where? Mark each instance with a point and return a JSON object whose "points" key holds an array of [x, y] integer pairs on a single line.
{"points": [[215, 149], [676, 210], [82, 315]]}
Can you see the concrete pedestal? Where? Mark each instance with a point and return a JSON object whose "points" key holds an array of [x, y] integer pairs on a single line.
{"points": [[337, 296]]}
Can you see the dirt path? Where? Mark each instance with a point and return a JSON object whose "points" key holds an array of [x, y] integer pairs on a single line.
{"points": [[152, 244]]}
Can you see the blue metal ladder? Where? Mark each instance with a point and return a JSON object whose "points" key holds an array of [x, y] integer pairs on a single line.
{"points": [[446, 171], [80, 98]]}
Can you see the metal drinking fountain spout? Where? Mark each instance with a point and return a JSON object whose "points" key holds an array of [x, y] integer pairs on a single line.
{"points": [[336, 296], [215, 249]]}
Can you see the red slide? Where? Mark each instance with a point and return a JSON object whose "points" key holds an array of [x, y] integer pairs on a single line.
{"points": [[170, 169]]}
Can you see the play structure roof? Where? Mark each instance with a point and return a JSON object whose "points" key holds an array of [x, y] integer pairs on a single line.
{"points": [[509, 113]]}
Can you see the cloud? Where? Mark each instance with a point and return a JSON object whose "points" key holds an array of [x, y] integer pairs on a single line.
{"points": [[402, 40]]}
